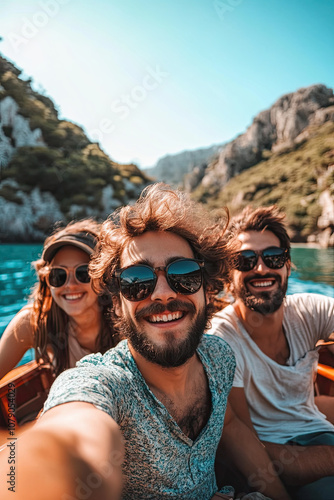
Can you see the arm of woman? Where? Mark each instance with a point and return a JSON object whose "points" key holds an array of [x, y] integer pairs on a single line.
{"points": [[15, 341]]}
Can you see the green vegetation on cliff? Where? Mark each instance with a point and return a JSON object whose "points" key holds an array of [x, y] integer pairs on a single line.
{"points": [[292, 179], [70, 167]]}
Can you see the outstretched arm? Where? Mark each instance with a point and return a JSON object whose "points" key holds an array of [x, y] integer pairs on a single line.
{"points": [[249, 455], [74, 451]]}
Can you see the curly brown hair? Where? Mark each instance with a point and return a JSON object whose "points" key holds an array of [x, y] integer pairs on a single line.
{"points": [[160, 208], [49, 322]]}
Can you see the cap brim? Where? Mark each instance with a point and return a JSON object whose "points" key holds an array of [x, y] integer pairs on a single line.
{"points": [[85, 242]]}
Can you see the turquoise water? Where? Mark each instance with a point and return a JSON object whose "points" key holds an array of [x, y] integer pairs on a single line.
{"points": [[17, 278], [314, 273]]}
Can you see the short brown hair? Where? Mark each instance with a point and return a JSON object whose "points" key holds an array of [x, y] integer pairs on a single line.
{"points": [[259, 219], [160, 208]]}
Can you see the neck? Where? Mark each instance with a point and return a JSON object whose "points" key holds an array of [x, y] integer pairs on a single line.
{"points": [[258, 325], [86, 328], [266, 331], [171, 381]]}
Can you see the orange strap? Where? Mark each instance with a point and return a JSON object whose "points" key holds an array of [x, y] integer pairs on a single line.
{"points": [[325, 371]]}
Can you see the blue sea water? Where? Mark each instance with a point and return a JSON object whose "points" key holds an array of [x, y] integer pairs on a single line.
{"points": [[313, 272]]}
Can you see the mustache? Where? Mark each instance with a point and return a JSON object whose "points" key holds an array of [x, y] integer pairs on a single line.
{"points": [[172, 306], [255, 276]]}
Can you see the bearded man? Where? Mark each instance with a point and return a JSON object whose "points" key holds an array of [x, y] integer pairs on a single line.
{"points": [[164, 388], [274, 338]]}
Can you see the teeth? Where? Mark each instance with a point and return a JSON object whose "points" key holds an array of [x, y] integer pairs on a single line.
{"points": [[166, 317], [262, 283], [73, 296]]}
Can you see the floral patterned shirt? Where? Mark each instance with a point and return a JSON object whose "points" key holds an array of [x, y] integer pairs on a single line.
{"points": [[161, 462]]}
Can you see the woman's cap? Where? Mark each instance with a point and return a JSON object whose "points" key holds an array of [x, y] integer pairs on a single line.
{"points": [[84, 241]]}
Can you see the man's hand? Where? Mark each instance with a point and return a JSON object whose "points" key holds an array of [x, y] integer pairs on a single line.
{"points": [[74, 451]]}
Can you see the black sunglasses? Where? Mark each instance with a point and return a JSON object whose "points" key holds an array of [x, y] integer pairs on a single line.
{"points": [[58, 276], [137, 282], [273, 257]]}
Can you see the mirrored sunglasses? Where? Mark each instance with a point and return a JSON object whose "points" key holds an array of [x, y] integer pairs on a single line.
{"points": [[58, 276], [273, 257], [137, 282]]}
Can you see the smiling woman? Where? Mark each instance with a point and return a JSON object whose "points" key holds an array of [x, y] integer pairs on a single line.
{"points": [[65, 319]]}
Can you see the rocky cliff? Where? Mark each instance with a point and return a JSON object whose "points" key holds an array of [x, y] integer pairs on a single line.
{"points": [[285, 157], [174, 169], [275, 129], [299, 179], [49, 170]]}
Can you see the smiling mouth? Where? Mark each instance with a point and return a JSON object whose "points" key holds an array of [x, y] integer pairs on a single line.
{"points": [[165, 318], [262, 283], [73, 296]]}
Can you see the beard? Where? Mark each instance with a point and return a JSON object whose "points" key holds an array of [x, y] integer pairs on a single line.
{"points": [[263, 302], [174, 352]]}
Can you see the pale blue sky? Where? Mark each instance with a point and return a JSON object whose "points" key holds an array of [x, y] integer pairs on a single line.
{"points": [[148, 77]]}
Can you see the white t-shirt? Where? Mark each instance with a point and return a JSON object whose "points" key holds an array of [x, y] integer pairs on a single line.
{"points": [[281, 397]]}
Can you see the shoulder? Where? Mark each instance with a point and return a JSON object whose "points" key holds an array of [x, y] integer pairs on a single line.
{"points": [[225, 324], [211, 343], [115, 365], [103, 380], [20, 326], [24, 315], [309, 302], [117, 356], [219, 361], [216, 350]]}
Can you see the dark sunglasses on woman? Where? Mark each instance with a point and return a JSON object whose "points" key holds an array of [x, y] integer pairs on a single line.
{"points": [[58, 276], [137, 282], [273, 257]]}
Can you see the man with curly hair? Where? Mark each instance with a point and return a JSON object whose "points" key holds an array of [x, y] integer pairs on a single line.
{"points": [[166, 385]]}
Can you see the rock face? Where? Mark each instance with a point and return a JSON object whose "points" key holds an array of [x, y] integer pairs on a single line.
{"points": [[49, 170], [274, 129], [326, 220], [30, 219], [173, 168], [21, 133]]}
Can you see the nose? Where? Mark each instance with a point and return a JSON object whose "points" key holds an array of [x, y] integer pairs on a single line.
{"points": [[162, 291], [71, 278], [260, 265]]}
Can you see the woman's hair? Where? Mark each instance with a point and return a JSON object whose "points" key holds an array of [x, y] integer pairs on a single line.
{"points": [[160, 208], [50, 324]]}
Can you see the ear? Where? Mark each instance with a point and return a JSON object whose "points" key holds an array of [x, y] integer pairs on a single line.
{"points": [[117, 306], [288, 267]]}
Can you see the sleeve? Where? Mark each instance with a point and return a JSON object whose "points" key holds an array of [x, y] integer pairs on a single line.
{"points": [[89, 384], [319, 313], [326, 313], [238, 380], [224, 328]]}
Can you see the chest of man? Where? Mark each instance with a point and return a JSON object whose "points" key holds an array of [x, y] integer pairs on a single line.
{"points": [[191, 412]]}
